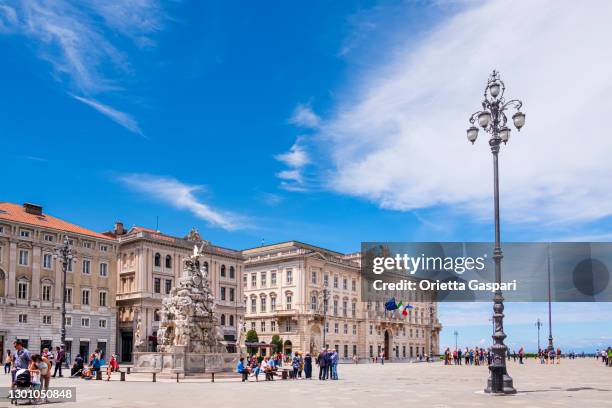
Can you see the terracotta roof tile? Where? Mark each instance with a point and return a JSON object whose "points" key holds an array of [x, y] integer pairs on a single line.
{"points": [[16, 212]]}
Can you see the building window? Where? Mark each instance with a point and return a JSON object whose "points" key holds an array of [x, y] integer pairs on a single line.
{"points": [[313, 302], [273, 325], [69, 266], [48, 238], [371, 330], [354, 309], [326, 280], [84, 321], [232, 274], [335, 307], [157, 261], [1, 230], [345, 284], [47, 261], [46, 319], [273, 278], [23, 318], [354, 329], [102, 323], [253, 280], [253, 325], [345, 350], [222, 320], [157, 285], [345, 308], [289, 299], [244, 281], [24, 234], [272, 303], [345, 328], [86, 266], [231, 319], [313, 277], [85, 297], [335, 282], [22, 289], [103, 248], [46, 293], [353, 285], [168, 286], [156, 316], [222, 293], [102, 298], [289, 277], [264, 276], [68, 321], [103, 269], [168, 261], [23, 257], [371, 351], [232, 294], [288, 327], [68, 295], [326, 327], [263, 326], [223, 271], [263, 304], [87, 244], [253, 305], [335, 328]]}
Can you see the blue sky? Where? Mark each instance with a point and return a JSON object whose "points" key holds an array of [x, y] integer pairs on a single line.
{"points": [[326, 122]]}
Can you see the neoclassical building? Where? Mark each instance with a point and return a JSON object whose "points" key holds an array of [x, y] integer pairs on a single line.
{"points": [[31, 283], [285, 287], [148, 265]]}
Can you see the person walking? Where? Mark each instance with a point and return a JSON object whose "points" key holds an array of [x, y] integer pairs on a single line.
{"points": [[8, 360], [308, 366], [382, 357], [459, 355], [558, 355], [21, 359], [521, 354], [295, 363], [609, 356], [328, 359], [322, 365], [60, 358]]}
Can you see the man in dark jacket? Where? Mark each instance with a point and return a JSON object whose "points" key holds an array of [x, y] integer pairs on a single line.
{"points": [[60, 358], [322, 362]]}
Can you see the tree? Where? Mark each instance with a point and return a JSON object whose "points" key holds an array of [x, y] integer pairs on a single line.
{"points": [[251, 336], [278, 343]]}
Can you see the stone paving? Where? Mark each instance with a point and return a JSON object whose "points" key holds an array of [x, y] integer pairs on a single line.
{"points": [[582, 383]]}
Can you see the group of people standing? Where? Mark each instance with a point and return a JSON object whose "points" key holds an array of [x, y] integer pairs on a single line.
{"points": [[327, 360], [606, 356], [548, 356], [473, 356], [301, 366]]}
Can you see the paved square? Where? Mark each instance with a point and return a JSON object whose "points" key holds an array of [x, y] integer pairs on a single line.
{"points": [[581, 383]]}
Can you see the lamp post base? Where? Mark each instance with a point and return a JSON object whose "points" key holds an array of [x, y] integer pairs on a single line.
{"points": [[507, 386]]}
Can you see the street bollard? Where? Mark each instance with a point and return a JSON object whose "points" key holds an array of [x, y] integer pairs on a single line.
{"points": [[154, 377], [122, 375], [128, 370]]}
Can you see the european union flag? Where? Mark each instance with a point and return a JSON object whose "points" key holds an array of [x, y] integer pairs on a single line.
{"points": [[390, 304]]}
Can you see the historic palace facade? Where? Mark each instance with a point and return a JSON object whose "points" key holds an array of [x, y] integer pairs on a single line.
{"points": [[31, 283], [305, 293], [149, 264]]}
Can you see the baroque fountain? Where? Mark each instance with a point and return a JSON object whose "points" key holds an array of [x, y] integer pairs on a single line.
{"points": [[189, 337]]}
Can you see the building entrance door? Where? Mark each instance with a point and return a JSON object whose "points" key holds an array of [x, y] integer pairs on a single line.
{"points": [[386, 351], [127, 339]]}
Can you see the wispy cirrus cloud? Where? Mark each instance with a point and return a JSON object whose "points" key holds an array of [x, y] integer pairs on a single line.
{"points": [[79, 41], [304, 116], [397, 135], [181, 196], [292, 179]]}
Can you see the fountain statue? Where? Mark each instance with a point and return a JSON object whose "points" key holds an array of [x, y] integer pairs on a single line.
{"points": [[190, 340]]}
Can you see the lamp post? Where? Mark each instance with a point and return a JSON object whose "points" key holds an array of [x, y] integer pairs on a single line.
{"points": [[431, 323], [65, 252], [539, 325], [550, 337], [325, 296], [456, 333], [492, 119]]}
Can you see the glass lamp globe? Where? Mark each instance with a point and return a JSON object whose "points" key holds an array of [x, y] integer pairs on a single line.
{"points": [[495, 89], [504, 134], [472, 134], [484, 118], [519, 120]]}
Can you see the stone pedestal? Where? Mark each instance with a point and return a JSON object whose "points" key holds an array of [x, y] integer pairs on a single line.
{"points": [[184, 363]]}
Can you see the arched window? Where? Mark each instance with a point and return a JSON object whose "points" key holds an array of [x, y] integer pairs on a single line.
{"points": [[156, 315], [222, 320], [232, 273], [168, 261], [157, 259], [223, 271], [231, 319]]}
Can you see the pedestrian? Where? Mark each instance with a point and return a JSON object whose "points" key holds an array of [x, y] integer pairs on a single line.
{"points": [[321, 361], [467, 357], [21, 358], [521, 354], [8, 360], [296, 365], [335, 358], [558, 355], [551, 356], [382, 357], [459, 356], [60, 358], [241, 369], [330, 368], [308, 366]]}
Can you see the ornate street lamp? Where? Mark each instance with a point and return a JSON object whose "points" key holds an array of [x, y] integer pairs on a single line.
{"points": [[65, 252], [492, 119], [324, 300]]}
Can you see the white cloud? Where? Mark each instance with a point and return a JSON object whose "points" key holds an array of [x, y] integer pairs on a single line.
{"points": [[295, 159], [121, 118], [76, 38], [181, 196], [399, 138], [304, 116]]}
